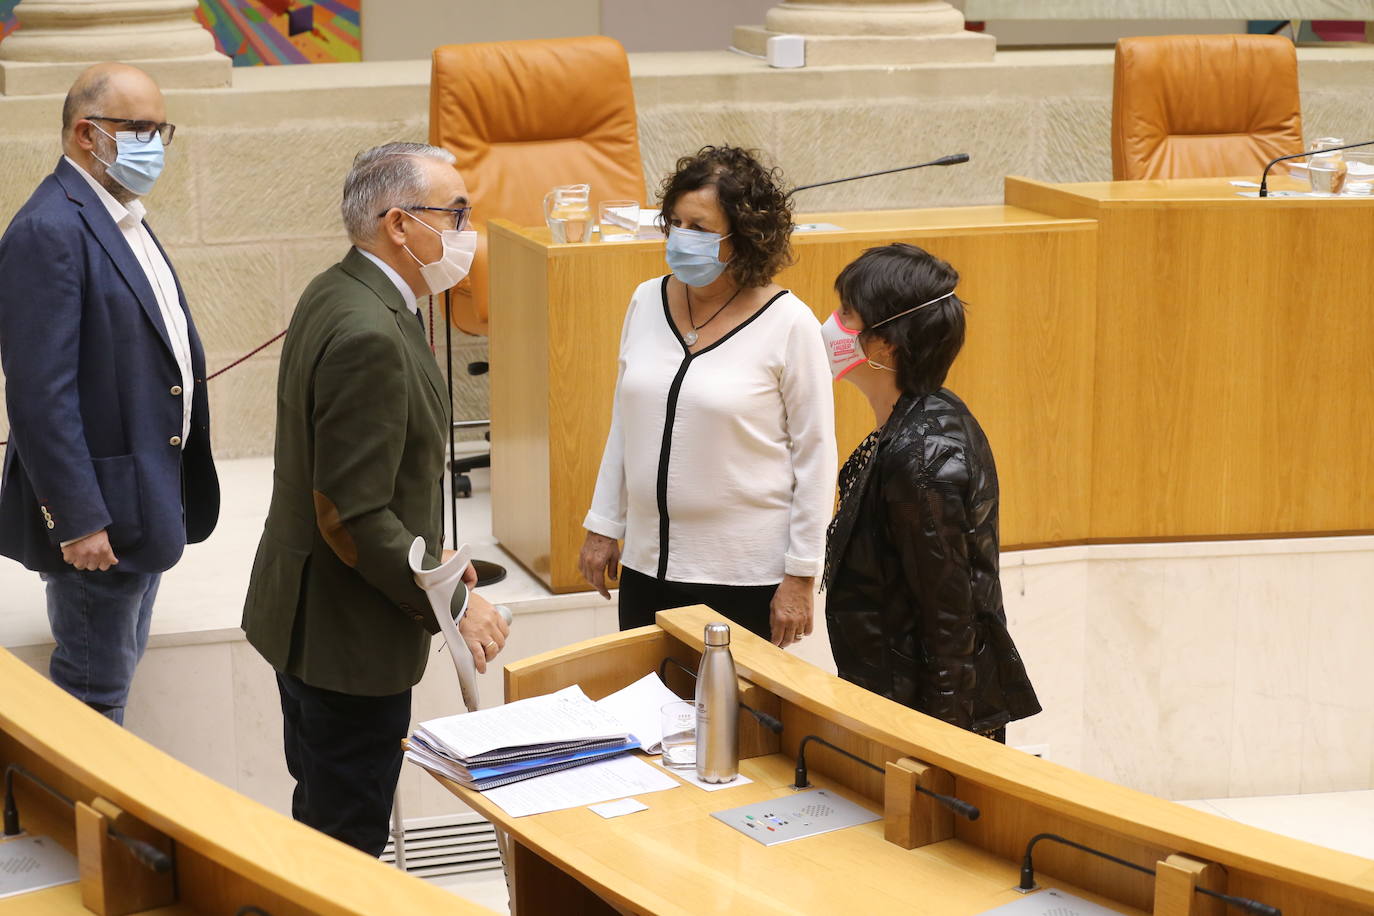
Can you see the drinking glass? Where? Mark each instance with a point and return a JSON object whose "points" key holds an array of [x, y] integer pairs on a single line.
{"points": [[567, 210], [619, 220], [680, 735]]}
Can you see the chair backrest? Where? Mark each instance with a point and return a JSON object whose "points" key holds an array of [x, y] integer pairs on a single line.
{"points": [[523, 117], [1196, 106]]}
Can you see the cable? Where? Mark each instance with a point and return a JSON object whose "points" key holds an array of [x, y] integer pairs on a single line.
{"points": [[770, 722]]}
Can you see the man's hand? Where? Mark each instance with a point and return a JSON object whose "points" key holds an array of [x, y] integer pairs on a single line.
{"points": [[91, 552], [484, 630], [792, 610], [600, 558], [469, 574]]}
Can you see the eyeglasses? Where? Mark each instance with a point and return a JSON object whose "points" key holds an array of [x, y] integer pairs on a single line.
{"points": [[143, 130], [460, 214]]}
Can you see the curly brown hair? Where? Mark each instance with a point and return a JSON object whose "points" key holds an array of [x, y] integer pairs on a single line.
{"points": [[758, 210]]}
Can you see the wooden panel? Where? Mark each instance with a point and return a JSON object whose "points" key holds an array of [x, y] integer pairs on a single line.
{"points": [[1027, 366], [520, 395], [1026, 370], [601, 666], [589, 290], [229, 850], [1177, 880], [1234, 360]]}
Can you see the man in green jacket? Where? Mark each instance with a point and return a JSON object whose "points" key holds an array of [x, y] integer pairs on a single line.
{"points": [[362, 424]]}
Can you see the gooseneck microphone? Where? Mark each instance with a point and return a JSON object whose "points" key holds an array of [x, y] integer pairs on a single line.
{"points": [[149, 855], [957, 805], [1245, 904], [953, 159], [1264, 177]]}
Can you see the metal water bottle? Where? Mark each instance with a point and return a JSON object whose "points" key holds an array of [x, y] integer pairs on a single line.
{"points": [[717, 708]]}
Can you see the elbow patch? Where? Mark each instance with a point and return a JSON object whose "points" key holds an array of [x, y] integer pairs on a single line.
{"points": [[332, 529]]}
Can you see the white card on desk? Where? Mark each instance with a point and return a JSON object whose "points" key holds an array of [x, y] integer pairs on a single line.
{"points": [[621, 806]]}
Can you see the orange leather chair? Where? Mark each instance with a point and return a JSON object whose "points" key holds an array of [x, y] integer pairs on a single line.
{"points": [[1198, 106], [523, 117]]}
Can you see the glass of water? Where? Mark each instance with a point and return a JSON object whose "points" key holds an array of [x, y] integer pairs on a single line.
{"points": [[680, 735], [619, 220]]}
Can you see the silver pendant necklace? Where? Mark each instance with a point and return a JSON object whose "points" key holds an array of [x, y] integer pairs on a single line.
{"points": [[690, 338]]}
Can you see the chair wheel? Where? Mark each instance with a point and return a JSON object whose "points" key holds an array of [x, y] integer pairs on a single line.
{"points": [[462, 486]]}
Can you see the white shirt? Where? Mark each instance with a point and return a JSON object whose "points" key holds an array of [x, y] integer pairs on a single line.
{"points": [[407, 294], [748, 461], [129, 219]]}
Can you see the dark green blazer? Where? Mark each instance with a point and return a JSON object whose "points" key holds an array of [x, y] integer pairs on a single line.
{"points": [[362, 424]]}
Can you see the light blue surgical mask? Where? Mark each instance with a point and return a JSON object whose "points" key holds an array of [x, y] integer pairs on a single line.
{"points": [[694, 256], [138, 163]]}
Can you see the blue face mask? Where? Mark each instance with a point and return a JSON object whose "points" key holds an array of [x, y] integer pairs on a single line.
{"points": [[693, 256], [137, 163]]}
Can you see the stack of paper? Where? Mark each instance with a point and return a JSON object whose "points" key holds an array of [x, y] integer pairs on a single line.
{"points": [[505, 744]]}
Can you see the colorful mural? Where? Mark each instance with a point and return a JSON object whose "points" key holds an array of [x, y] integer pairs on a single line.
{"points": [[260, 32], [7, 20]]}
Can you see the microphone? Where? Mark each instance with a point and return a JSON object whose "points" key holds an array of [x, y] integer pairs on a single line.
{"points": [[953, 159], [147, 854], [957, 805], [1245, 904], [1264, 177]]}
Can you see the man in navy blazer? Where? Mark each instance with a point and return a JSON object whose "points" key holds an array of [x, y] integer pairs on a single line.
{"points": [[108, 473]]}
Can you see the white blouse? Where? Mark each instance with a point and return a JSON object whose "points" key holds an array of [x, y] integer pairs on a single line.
{"points": [[720, 464]]}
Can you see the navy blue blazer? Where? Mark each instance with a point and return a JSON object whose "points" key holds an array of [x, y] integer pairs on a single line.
{"points": [[93, 393]]}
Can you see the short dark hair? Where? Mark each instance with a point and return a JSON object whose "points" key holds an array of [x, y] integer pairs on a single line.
{"points": [[83, 95], [883, 282], [758, 210]]}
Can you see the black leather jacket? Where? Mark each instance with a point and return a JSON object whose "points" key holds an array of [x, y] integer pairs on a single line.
{"points": [[914, 605]]}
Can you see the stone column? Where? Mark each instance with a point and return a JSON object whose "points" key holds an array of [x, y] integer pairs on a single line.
{"points": [[57, 39], [882, 32]]}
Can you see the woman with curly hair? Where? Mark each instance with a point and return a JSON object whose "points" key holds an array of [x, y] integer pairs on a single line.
{"points": [[719, 470]]}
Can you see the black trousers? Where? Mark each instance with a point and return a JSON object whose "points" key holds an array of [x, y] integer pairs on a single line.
{"points": [[643, 596], [345, 754]]}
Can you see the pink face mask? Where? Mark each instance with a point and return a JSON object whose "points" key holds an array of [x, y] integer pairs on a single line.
{"points": [[843, 345]]}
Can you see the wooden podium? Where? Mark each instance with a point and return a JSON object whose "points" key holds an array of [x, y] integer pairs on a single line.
{"points": [[228, 853], [676, 859], [1159, 360]]}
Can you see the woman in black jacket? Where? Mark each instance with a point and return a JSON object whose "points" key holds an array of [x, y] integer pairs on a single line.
{"points": [[914, 605]]}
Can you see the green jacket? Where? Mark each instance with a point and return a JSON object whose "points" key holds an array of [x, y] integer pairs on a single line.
{"points": [[362, 424]]}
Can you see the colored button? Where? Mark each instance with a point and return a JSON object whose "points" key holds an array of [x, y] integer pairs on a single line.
{"points": [[176, 390], [175, 440], [51, 524]]}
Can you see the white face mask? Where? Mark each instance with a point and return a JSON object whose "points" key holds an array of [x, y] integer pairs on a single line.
{"points": [[842, 344], [460, 247]]}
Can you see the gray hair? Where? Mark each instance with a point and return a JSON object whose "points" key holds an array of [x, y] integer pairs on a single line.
{"points": [[383, 177]]}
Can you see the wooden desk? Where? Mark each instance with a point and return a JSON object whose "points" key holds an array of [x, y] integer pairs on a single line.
{"points": [[1026, 370], [1234, 363], [676, 859], [1155, 360], [228, 850]]}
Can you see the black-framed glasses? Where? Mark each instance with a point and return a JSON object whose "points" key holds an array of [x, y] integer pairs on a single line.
{"points": [[143, 130], [460, 214]]}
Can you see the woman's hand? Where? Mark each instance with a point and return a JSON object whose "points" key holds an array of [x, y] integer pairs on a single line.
{"points": [[599, 560], [792, 610]]}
